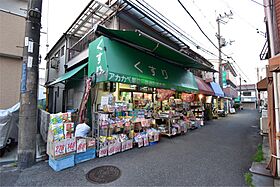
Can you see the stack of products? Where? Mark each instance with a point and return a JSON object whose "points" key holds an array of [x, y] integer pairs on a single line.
{"points": [[120, 129], [64, 149]]}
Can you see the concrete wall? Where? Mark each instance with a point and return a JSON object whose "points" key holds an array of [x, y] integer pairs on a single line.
{"points": [[11, 35], [14, 6], [10, 75]]}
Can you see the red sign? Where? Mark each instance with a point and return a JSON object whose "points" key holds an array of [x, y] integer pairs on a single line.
{"points": [[164, 94], [187, 97]]}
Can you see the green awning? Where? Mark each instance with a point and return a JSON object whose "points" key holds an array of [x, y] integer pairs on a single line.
{"points": [[68, 75], [149, 44], [116, 62]]}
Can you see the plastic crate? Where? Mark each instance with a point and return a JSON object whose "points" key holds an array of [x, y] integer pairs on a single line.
{"points": [[61, 163], [88, 155], [153, 143]]}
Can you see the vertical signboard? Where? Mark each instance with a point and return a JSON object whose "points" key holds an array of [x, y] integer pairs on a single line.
{"points": [[224, 79], [97, 59]]}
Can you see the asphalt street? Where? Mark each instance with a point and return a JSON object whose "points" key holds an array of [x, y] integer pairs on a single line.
{"points": [[216, 155]]}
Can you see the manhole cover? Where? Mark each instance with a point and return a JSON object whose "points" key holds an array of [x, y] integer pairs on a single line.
{"points": [[103, 174]]}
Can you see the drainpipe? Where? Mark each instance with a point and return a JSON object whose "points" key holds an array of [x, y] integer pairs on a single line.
{"points": [[268, 13]]}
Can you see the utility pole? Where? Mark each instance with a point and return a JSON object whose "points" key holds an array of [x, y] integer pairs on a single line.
{"points": [[220, 40], [240, 88], [258, 74], [29, 87]]}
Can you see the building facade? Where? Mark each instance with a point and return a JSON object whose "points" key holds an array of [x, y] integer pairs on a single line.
{"points": [[248, 96], [272, 52], [229, 81], [71, 50], [12, 19]]}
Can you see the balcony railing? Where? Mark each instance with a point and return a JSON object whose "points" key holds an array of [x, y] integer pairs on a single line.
{"points": [[81, 45]]}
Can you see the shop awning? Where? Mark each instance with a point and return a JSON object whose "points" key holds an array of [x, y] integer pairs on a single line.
{"points": [[68, 75], [203, 87], [117, 62], [217, 89], [262, 85], [148, 44]]}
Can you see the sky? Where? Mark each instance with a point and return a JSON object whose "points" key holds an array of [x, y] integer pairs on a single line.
{"points": [[241, 29]]}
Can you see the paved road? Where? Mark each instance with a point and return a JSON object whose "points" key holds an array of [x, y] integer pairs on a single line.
{"points": [[216, 155]]}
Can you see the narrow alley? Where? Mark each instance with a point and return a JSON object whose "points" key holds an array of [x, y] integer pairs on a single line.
{"points": [[217, 154]]}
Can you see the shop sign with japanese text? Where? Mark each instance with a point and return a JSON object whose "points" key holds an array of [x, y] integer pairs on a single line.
{"points": [[117, 62]]}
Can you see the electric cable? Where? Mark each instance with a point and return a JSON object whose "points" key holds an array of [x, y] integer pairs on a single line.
{"points": [[241, 18], [178, 30], [258, 3], [200, 10], [209, 38], [198, 25]]}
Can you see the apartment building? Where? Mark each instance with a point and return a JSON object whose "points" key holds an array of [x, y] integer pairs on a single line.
{"points": [[12, 19]]}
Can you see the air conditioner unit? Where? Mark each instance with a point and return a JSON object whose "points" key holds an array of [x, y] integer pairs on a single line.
{"points": [[54, 63]]}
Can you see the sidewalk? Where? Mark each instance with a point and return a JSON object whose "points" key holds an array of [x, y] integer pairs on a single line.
{"points": [[261, 175]]}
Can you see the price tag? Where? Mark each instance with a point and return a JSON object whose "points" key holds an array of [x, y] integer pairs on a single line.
{"points": [[81, 145], [118, 147], [129, 144], [71, 145], [111, 149], [59, 148], [103, 152], [124, 146], [140, 142], [91, 142], [146, 142], [156, 137]]}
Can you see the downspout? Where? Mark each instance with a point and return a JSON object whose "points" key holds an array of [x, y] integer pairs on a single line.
{"points": [[268, 13]]}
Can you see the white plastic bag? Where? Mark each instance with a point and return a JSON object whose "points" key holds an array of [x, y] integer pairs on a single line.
{"points": [[82, 130]]}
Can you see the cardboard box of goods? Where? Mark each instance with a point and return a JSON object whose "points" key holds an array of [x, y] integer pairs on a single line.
{"points": [[146, 141], [56, 149], [55, 132], [103, 151], [156, 137], [140, 142], [129, 144], [123, 146], [118, 147], [111, 149], [91, 143]]}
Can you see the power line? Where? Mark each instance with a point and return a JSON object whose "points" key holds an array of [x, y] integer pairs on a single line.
{"points": [[200, 10], [198, 25], [210, 39], [178, 30], [242, 18], [258, 3]]}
